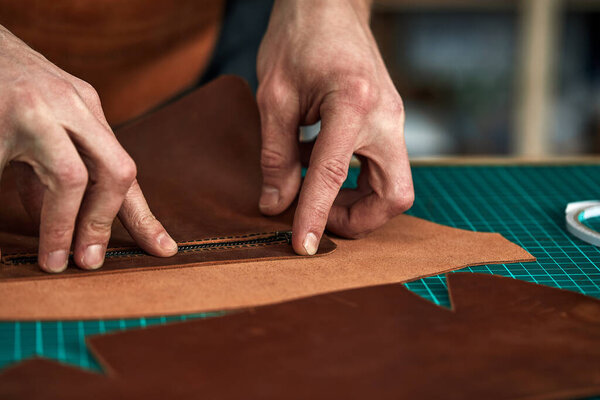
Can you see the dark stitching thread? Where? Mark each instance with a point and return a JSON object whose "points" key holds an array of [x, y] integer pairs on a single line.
{"points": [[183, 247]]}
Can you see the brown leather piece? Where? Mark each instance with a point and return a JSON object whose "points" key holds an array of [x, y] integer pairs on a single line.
{"points": [[503, 338], [46, 378], [136, 53], [199, 168], [200, 171], [404, 249]]}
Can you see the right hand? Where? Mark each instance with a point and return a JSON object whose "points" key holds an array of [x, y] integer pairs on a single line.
{"points": [[70, 167]]}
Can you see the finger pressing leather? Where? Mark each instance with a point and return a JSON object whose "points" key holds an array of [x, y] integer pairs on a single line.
{"points": [[326, 173], [98, 211], [141, 224], [64, 175], [280, 160], [134, 211], [112, 172]]}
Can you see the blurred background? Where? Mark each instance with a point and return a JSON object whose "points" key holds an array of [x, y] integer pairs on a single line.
{"points": [[495, 77], [478, 77]]}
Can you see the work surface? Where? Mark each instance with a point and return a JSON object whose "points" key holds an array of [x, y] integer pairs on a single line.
{"points": [[525, 204]]}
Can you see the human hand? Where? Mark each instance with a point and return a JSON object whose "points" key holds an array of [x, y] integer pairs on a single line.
{"points": [[318, 60], [70, 167]]}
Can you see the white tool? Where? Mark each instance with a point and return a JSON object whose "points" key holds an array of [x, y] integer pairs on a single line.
{"points": [[579, 211]]}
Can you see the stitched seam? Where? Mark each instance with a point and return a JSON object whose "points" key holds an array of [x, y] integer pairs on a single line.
{"points": [[9, 259], [204, 249]]}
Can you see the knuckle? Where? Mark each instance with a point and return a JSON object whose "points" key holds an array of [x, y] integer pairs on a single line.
{"points": [[261, 96], [320, 212], [59, 232], [273, 94], [71, 174], [87, 91], [143, 220], [400, 201], [397, 106], [332, 173], [362, 92], [272, 160], [64, 89], [124, 172], [99, 227]]}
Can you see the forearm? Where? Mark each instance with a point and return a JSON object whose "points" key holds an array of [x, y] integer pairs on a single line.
{"points": [[363, 8]]}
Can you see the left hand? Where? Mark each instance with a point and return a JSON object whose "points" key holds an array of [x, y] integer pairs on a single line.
{"points": [[319, 60]]}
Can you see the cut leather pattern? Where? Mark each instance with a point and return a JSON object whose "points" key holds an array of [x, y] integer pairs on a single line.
{"points": [[199, 166], [502, 339]]}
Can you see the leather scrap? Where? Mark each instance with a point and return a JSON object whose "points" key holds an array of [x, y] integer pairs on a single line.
{"points": [[198, 163], [502, 339]]}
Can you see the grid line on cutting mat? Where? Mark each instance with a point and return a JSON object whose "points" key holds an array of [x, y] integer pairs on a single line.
{"points": [[523, 203]]}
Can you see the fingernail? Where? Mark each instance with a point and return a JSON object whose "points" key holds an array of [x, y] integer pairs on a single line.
{"points": [[93, 258], [167, 243], [269, 197], [310, 244], [57, 261]]}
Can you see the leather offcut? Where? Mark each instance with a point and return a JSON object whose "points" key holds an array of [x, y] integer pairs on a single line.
{"points": [[502, 339]]}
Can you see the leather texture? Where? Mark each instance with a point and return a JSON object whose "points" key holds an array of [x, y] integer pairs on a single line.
{"points": [[136, 53], [502, 339], [198, 163], [199, 167], [404, 249]]}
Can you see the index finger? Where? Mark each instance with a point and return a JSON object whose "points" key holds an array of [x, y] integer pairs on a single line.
{"points": [[327, 171]]}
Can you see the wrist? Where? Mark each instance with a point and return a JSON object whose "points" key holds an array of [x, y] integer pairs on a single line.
{"points": [[314, 9]]}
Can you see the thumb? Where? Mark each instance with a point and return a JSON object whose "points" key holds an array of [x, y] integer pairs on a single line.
{"points": [[280, 159]]}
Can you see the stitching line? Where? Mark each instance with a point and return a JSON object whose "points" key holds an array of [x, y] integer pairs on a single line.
{"points": [[8, 259]]}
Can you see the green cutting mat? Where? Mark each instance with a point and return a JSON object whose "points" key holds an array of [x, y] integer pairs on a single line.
{"points": [[525, 204]]}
